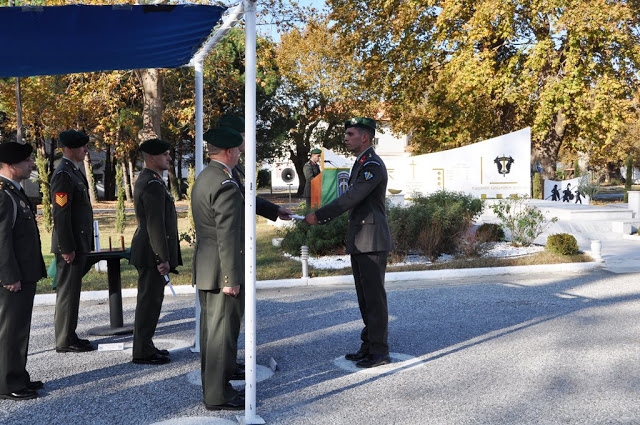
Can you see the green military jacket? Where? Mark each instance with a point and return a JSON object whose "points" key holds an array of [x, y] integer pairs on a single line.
{"points": [[20, 248], [156, 238], [368, 229], [217, 205], [72, 212], [310, 170]]}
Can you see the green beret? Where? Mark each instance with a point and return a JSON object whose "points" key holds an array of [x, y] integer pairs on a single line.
{"points": [[360, 122], [73, 139], [232, 121], [223, 137], [316, 150], [14, 152], [155, 146]]}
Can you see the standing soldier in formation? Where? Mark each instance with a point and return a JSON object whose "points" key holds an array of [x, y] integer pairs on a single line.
{"points": [[264, 208], [71, 240], [218, 267], [368, 239], [21, 267], [311, 169], [155, 249]]}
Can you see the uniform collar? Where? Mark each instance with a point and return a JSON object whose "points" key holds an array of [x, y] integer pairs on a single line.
{"points": [[224, 165], [75, 166], [362, 154], [15, 183]]}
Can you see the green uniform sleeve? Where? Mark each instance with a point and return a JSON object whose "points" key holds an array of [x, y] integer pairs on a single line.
{"points": [[61, 199], [229, 217], [153, 198]]}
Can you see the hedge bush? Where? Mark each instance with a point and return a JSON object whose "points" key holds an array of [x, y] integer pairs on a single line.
{"points": [[323, 239], [433, 224], [490, 232], [562, 243]]}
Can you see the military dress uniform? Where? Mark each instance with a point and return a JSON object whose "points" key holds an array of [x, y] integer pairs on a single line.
{"points": [[264, 208], [72, 231], [217, 204], [310, 170], [368, 243], [20, 260], [155, 241]]}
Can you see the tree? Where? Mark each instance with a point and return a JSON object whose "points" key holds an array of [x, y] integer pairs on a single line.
{"points": [[456, 72], [321, 88]]}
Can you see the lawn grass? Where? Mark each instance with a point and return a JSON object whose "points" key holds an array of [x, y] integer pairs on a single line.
{"points": [[270, 263]]}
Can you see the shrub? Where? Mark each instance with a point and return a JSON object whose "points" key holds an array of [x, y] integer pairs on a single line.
{"points": [[586, 187], [537, 184], [264, 178], [490, 232], [433, 224], [562, 243], [324, 239], [525, 222]]}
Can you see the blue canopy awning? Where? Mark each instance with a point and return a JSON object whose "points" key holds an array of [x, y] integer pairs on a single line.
{"points": [[82, 38]]}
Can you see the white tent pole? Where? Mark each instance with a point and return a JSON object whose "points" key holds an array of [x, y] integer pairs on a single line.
{"points": [[199, 165], [250, 416]]}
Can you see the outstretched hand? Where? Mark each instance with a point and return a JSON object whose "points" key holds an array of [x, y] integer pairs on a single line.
{"points": [[284, 214], [311, 219]]}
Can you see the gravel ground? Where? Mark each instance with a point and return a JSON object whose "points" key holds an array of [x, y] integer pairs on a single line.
{"points": [[532, 349]]}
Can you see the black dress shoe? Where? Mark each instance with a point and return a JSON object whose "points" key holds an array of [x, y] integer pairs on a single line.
{"points": [[374, 360], [35, 385], [238, 375], [235, 404], [78, 347], [83, 342], [357, 356], [25, 394], [152, 359], [162, 352]]}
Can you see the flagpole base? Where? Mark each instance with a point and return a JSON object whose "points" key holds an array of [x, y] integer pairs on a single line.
{"points": [[255, 420]]}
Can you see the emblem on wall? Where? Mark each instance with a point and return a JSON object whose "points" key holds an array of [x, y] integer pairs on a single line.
{"points": [[504, 164]]}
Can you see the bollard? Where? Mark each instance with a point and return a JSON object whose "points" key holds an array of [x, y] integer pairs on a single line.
{"points": [[596, 250], [304, 256]]}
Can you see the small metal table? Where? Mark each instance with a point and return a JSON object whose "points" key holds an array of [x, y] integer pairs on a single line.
{"points": [[116, 326]]}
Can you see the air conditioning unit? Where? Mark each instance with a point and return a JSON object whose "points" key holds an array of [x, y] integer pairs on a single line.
{"points": [[284, 176]]}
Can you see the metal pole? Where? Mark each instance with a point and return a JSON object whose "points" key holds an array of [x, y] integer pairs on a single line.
{"points": [[199, 166], [18, 111], [250, 416]]}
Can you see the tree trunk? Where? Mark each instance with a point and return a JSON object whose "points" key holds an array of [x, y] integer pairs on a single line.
{"points": [[151, 80], [109, 191], [547, 151], [132, 179], [174, 185]]}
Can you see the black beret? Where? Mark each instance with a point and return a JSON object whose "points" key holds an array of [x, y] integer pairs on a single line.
{"points": [[314, 151], [223, 137], [73, 139], [155, 146], [14, 152], [232, 121], [360, 122]]}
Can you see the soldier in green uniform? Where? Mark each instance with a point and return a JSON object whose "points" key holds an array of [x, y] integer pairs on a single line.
{"points": [[217, 204], [155, 248], [264, 208], [21, 267], [368, 239], [310, 170], [71, 240]]}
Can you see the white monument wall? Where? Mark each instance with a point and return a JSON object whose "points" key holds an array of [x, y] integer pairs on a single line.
{"points": [[494, 168]]}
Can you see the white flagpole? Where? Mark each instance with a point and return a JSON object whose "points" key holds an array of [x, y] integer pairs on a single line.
{"points": [[250, 416]]}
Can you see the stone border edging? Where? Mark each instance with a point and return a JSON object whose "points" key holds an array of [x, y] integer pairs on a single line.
{"points": [[391, 277]]}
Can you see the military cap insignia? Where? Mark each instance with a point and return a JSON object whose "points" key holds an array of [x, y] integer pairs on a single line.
{"points": [[368, 175], [61, 199]]}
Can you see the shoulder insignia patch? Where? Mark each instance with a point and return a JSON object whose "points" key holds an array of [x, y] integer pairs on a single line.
{"points": [[230, 181], [371, 162], [61, 199], [368, 175]]}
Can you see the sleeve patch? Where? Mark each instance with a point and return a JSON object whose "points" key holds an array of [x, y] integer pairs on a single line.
{"points": [[61, 199], [371, 162], [368, 175]]}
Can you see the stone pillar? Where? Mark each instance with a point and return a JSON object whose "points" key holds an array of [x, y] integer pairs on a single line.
{"points": [[634, 202]]}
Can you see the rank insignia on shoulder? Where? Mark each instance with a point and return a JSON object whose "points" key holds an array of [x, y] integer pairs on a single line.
{"points": [[229, 181], [61, 199], [368, 175], [361, 160]]}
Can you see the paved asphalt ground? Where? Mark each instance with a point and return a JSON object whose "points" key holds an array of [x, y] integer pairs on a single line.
{"points": [[540, 348]]}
